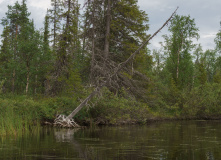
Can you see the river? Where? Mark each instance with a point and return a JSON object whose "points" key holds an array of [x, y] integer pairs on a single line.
{"points": [[173, 140]]}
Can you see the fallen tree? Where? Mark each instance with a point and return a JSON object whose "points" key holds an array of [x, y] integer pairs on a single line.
{"points": [[68, 121]]}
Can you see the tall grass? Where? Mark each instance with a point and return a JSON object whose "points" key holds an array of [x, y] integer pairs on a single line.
{"points": [[17, 117]]}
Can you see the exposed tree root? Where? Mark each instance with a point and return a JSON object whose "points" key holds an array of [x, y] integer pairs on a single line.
{"points": [[65, 122]]}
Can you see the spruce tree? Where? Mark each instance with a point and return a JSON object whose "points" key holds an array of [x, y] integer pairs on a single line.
{"points": [[113, 30]]}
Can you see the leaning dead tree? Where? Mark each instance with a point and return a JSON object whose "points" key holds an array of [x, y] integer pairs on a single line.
{"points": [[67, 121]]}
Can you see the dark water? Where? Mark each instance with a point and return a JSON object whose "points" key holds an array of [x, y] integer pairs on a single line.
{"points": [[185, 140]]}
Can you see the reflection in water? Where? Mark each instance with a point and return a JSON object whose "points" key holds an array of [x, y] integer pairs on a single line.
{"points": [[184, 140], [65, 135], [209, 156]]}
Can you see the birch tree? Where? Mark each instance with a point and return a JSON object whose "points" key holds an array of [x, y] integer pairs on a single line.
{"points": [[178, 46]]}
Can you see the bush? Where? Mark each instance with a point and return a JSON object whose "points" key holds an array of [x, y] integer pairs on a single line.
{"points": [[204, 102], [112, 109]]}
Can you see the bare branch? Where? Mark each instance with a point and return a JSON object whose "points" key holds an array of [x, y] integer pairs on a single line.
{"points": [[117, 69]]}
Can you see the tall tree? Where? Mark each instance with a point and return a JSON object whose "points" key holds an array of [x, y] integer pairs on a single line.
{"points": [[217, 75], [200, 75], [29, 47], [15, 19], [67, 44], [55, 18], [114, 29], [6, 57], [64, 121], [178, 46], [217, 41], [24, 51]]}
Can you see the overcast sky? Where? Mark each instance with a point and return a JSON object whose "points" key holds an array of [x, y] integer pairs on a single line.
{"points": [[207, 15]]}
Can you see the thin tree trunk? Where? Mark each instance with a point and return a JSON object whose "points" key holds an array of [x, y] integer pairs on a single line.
{"points": [[93, 46], [15, 50], [55, 24], [178, 57], [13, 81], [77, 25], [36, 82], [106, 41], [178, 62], [27, 78], [117, 69]]}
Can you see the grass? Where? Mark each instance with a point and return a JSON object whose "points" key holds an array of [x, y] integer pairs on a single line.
{"points": [[20, 114], [17, 116]]}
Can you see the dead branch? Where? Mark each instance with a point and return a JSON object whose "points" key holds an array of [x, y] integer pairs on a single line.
{"points": [[110, 77]]}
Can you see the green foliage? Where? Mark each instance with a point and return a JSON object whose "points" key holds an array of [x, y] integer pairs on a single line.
{"points": [[24, 53], [178, 48], [217, 77], [113, 109], [18, 115], [128, 29], [217, 41], [203, 102], [176, 84]]}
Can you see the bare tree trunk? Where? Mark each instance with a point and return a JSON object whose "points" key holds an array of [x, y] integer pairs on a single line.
{"points": [[93, 45], [63, 121], [106, 41], [55, 24]]}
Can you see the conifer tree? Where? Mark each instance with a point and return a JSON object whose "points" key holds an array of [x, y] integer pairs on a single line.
{"points": [[23, 50], [55, 18], [66, 44], [112, 32], [15, 19]]}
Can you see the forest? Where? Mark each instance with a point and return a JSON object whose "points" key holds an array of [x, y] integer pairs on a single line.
{"points": [[50, 71]]}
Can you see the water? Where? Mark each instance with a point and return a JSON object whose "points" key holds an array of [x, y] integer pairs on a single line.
{"points": [[183, 140]]}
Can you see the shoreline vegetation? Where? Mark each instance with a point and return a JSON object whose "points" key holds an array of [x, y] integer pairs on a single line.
{"points": [[49, 72], [19, 114]]}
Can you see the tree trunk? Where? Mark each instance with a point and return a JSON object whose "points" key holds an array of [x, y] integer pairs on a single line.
{"points": [[13, 81], [55, 24], [93, 47], [27, 77], [15, 51], [178, 57], [36, 81], [107, 35], [178, 62]]}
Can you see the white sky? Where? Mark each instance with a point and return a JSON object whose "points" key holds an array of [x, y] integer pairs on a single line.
{"points": [[207, 15]]}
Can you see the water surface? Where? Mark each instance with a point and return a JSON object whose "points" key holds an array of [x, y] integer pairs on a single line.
{"points": [[178, 140]]}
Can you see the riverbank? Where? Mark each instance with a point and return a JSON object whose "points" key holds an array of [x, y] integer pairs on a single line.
{"points": [[20, 113]]}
